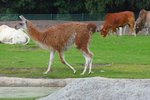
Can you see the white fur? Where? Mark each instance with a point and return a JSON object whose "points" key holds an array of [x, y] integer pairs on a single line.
{"points": [[52, 53], [88, 63], [10, 35], [70, 41]]}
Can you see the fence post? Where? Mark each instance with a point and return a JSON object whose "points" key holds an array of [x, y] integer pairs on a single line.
{"points": [[51, 16], [82, 16]]}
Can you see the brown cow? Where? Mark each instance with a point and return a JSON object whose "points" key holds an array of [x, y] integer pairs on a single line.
{"points": [[116, 20], [143, 21]]}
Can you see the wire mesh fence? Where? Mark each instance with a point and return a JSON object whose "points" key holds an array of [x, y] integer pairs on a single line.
{"points": [[66, 17]]}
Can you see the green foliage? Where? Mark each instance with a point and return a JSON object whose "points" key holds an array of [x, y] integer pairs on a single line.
{"points": [[7, 17], [115, 57], [71, 6]]}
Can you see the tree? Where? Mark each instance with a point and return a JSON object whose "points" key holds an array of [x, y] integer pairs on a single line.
{"points": [[71, 6]]}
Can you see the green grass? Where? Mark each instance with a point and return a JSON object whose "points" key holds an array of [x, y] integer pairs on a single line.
{"points": [[17, 99], [114, 57]]}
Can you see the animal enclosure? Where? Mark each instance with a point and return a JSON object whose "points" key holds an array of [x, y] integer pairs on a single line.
{"points": [[118, 57]]}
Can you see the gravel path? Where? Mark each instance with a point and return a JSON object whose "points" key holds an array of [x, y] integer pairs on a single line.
{"points": [[103, 89], [96, 88]]}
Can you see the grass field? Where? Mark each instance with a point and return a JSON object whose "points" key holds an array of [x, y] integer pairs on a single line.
{"points": [[115, 57], [17, 98]]}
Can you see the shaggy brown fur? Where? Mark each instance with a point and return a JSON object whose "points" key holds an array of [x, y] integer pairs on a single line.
{"points": [[60, 37]]}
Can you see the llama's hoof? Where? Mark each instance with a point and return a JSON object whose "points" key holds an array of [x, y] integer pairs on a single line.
{"points": [[82, 73], [90, 72], [45, 72], [102, 71], [74, 71]]}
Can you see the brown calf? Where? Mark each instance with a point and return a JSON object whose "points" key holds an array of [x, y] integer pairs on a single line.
{"points": [[116, 20]]}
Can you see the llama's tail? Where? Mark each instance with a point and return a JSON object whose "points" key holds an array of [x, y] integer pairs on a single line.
{"points": [[92, 27]]}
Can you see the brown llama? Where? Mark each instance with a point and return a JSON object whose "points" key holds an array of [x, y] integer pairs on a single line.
{"points": [[60, 37]]}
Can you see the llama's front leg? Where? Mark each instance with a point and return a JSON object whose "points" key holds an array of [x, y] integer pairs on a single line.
{"points": [[52, 53], [61, 55], [88, 62]]}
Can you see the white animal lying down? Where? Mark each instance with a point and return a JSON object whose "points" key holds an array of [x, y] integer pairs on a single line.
{"points": [[10, 35]]}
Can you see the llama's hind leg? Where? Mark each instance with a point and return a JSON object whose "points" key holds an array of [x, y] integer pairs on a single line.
{"points": [[61, 55], [52, 53], [88, 61], [90, 66]]}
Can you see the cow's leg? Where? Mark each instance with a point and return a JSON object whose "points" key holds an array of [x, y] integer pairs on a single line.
{"points": [[117, 31], [146, 31], [120, 31], [124, 30], [114, 31]]}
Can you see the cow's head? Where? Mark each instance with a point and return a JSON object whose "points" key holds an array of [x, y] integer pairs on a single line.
{"points": [[140, 21], [104, 31]]}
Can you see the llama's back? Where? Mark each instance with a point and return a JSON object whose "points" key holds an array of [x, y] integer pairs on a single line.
{"points": [[61, 37]]}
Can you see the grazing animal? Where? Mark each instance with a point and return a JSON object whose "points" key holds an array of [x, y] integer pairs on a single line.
{"points": [[116, 20], [10, 35], [119, 31], [60, 37], [143, 21]]}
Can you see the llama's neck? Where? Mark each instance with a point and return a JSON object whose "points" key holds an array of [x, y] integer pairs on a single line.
{"points": [[33, 31]]}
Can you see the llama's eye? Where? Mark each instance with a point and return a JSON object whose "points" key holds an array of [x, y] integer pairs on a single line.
{"points": [[20, 23]]}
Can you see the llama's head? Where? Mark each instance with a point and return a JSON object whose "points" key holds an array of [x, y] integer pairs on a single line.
{"points": [[22, 24]]}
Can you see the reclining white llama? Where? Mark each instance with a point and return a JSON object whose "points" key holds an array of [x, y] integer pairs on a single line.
{"points": [[10, 35]]}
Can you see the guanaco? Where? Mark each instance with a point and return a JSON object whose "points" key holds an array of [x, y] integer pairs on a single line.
{"points": [[60, 38]]}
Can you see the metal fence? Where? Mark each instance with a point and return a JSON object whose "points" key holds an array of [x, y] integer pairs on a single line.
{"points": [[66, 17]]}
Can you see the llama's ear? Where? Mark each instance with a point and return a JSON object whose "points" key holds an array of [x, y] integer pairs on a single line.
{"points": [[22, 18]]}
